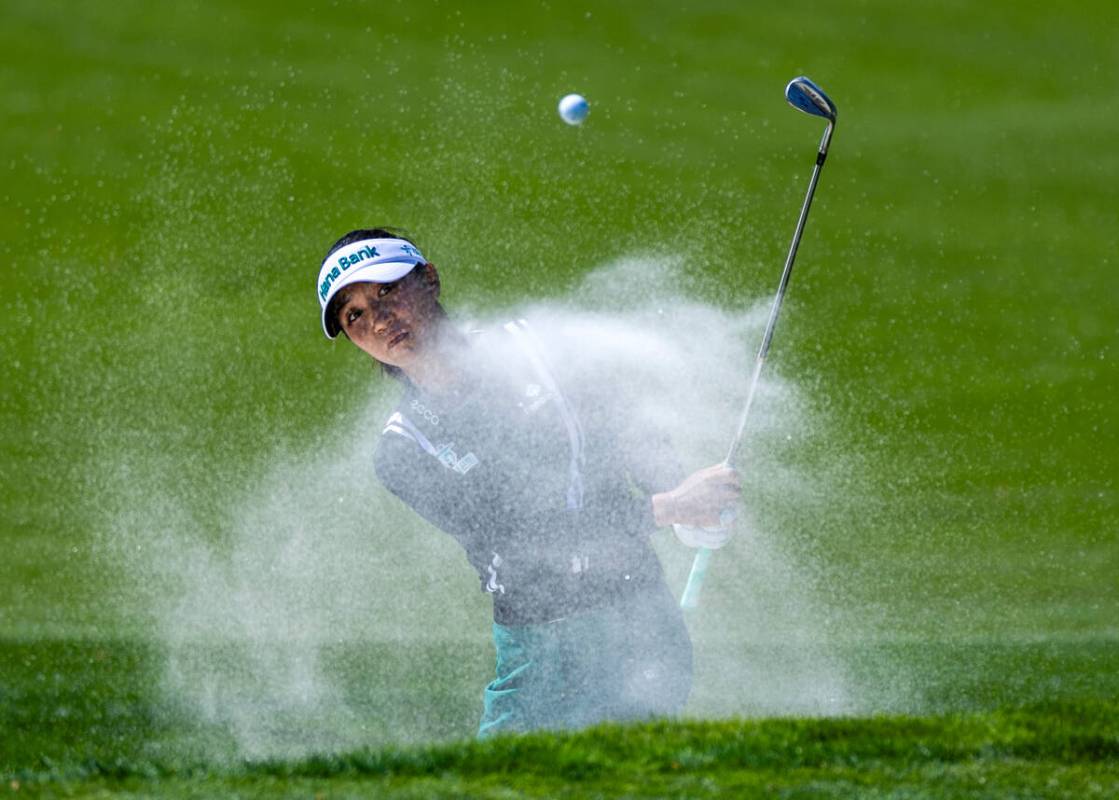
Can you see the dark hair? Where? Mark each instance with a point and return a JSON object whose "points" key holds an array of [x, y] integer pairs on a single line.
{"points": [[357, 236], [369, 233]]}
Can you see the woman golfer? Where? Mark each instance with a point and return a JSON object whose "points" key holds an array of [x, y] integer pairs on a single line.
{"points": [[539, 483]]}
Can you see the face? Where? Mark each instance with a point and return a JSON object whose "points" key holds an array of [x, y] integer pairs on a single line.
{"points": [[393, 322]]}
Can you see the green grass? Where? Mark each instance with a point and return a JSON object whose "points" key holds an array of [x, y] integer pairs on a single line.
{"points": [[84, 718], [1054, 750], [171, 176]]}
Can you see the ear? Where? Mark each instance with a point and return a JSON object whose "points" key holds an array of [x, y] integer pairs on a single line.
{"points": [[430, 278]]}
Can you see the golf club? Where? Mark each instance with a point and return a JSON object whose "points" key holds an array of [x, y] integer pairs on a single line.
{"points": [[806, 96]]}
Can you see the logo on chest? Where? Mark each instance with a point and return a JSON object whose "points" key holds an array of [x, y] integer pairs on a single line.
{"points": [[454, 462], [534, 398]]}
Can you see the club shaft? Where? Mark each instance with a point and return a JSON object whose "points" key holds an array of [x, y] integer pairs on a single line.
{"points": [[690, 596], [732, 454], [775, 310]]}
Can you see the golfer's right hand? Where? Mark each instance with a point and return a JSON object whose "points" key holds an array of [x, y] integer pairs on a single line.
{"points": [[701, 500]]}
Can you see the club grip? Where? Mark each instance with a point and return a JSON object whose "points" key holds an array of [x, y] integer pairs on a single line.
{"points": [[690, 597]]}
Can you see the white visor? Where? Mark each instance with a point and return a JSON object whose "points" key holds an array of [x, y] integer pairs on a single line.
{"points": [[367, 261]]}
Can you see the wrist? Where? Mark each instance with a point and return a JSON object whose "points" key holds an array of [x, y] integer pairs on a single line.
{"points": [[664, 509]]}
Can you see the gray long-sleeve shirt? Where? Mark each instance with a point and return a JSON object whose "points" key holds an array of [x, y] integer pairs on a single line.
{"points": [[493, 468]]}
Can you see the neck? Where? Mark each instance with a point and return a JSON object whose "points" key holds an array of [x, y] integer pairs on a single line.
{"points": [[441, 370]]}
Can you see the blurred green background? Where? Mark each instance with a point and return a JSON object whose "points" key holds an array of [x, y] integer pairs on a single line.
{"points": [[172, 175]]}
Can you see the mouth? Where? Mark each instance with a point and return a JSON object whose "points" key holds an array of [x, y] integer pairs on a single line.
{"points": [[397, 338]]}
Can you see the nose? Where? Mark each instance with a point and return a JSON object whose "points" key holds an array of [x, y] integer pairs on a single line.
{"points": [[382, 319]]}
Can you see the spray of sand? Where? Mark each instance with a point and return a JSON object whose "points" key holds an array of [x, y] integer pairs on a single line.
{"points": [[329, 617]]}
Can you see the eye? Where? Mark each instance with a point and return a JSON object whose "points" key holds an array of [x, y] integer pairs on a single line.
{"points": [[352, 315], [385, 289]]}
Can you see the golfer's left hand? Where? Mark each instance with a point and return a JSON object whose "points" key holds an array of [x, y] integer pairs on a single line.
{"points": [[706, 499]]}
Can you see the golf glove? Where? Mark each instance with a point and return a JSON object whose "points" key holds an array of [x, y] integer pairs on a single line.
{"points": [[711, 538]]}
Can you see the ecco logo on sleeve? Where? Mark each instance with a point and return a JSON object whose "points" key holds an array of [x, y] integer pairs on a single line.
{"points": [[425, 412]]}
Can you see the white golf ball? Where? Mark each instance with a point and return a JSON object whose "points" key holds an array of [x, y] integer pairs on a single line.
{"points": [[573, 109]]}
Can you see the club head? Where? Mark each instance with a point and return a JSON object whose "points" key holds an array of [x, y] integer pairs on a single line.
{"points": [[809, 98]]}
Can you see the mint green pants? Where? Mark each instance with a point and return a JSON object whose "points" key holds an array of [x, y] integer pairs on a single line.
{"points": [[629, 661]]}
